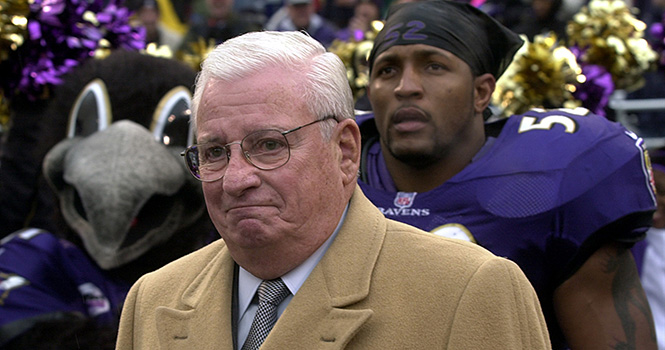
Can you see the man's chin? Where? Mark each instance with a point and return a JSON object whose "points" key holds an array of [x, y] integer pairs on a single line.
{"points": [[416, 151], [415, 158]]}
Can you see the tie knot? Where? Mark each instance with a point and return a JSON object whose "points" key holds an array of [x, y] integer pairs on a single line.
{"points": [[273, 291]]}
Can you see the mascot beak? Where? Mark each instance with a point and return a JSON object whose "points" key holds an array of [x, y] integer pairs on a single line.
{"points": [[104, 182]]}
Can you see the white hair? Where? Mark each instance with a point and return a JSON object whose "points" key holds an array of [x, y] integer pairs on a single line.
{"points": [[326, 89]]}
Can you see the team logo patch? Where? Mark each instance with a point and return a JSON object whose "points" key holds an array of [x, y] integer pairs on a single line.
{"points": [[647, 161], [8, 283], [457, 231], [404, 199], [95, 299]]}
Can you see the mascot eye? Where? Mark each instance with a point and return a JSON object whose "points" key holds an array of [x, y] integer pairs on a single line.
{"points": [[170, 122], [91, 111]]}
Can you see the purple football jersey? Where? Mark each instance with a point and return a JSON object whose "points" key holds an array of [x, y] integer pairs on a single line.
{"points": [[43, 278], [548, 190]]}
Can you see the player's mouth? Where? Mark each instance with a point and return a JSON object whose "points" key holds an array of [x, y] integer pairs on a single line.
{"points": [[409, 119]]}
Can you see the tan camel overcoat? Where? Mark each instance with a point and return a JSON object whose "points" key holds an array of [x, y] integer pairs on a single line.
{"points": [[381, 285]]}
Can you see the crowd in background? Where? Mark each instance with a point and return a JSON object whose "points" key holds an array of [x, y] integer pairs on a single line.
{"points": [[189, 27], [326, 20]]}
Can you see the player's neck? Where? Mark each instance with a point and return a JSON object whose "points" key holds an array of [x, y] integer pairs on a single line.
{"points": [[423, 178], [414, 179]]}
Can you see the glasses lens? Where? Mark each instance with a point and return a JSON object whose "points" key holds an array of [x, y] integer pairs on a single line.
{"points": [[192, 161], [207, 161], [266, 149]]}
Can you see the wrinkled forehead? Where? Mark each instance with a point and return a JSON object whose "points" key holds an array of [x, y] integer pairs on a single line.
{"points": [[251, 92], [248, 104]]}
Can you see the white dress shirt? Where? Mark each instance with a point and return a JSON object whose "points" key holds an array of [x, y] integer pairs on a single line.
{"points": [[248, 284]]}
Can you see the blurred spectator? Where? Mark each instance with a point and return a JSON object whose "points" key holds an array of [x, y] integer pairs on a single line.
{"points": [[364, 13], [573, 6], [543, 17], [507, 12], [218, 23], [339, 12], [301, 15], [149, 17], [649, 123]]}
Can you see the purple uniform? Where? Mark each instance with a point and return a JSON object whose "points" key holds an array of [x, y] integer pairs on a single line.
{"points": [[45, 278], [546, 190]]}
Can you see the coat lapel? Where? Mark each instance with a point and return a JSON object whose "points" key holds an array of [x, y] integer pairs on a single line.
{"points": [[203, 318], [322, 314]]}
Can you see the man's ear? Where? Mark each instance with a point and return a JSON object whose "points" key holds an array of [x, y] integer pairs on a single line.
{"points": [[484, 88], [348, 139]]}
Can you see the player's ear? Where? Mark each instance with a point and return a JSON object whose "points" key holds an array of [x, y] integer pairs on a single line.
{"points": [[483, 87]]}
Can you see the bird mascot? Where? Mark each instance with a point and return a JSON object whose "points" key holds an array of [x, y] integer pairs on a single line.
{"points": [[125, 202]]}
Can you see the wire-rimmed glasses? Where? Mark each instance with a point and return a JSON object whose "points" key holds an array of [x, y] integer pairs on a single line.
{"points": [[265, 149]]}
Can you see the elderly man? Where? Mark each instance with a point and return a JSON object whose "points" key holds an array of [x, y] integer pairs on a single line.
{"points": [[306, 261]]}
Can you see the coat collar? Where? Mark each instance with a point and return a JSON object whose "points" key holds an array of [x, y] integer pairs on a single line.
{"points": [[317, 317], [203, 318], [347, 267]]}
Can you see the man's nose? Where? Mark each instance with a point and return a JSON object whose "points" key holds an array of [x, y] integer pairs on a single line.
{"points": [[410, 84], [240, 174]]}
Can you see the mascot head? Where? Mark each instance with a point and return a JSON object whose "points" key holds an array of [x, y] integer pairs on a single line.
{"points": [[122, 187]]}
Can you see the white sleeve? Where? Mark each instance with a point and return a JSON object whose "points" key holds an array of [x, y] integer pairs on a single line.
{"points": [[653, 280]]}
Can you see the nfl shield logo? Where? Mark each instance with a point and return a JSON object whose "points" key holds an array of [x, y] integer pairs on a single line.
{"points": [[404, 199]]}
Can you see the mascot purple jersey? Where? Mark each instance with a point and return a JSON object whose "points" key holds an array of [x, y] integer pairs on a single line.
{"points": [[58, 281], [546, 190]]}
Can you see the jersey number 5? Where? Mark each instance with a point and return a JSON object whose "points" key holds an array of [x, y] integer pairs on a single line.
{"points": [[532, 123]]}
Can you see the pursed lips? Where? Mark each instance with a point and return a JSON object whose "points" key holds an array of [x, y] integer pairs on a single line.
{"points": [[247, 209]]}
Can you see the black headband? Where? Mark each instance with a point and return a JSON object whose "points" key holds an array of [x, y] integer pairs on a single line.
{"points": [[465, 31]]}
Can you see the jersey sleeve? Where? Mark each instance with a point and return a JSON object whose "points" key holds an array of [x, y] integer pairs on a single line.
{"points": [[617, 206], [593, 175], [46, 279]]}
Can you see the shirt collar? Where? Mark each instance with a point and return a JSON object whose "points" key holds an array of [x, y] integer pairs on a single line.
{"points": [[294, 279]]}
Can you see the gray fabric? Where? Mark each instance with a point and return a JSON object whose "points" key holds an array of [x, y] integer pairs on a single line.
{"points": [[115, 172]]}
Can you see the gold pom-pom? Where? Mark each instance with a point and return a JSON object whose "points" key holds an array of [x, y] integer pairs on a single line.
{"points": [[13, 25], [543, 74], [199, 50], [13, 33], [163, 51], [609, 35], [354, 54], [4, 114]]}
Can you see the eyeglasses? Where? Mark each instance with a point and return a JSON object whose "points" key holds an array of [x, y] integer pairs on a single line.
{"points": [[265, 149]]}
